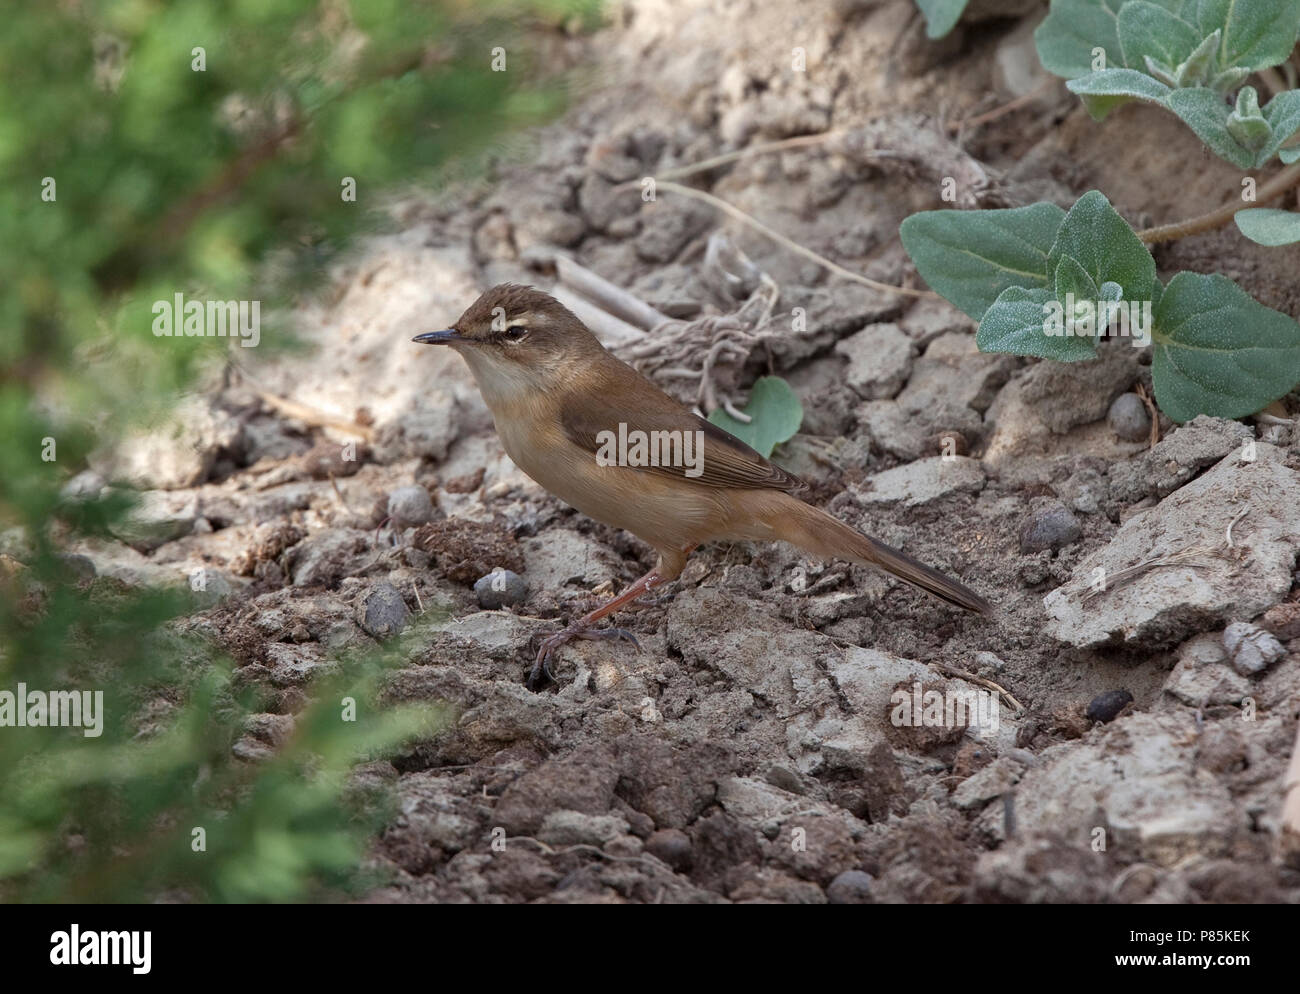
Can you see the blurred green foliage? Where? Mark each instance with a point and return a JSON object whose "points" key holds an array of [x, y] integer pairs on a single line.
{"points": [[130, 174]]}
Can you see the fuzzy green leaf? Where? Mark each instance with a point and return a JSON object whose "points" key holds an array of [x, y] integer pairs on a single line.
{"points": [[1103, 91], [1269, 226], [1256, 33], [1018, 323], [1218, 351], [1072, 30], [1147, 29], [775, 411], [1205, 112], [970, 257], [1102, 242]]}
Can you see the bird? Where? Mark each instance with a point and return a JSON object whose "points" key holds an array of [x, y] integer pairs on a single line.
{"points": [[561, 402]]}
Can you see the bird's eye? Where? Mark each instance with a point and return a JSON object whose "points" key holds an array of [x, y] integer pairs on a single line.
{"points": [[516, 332]]}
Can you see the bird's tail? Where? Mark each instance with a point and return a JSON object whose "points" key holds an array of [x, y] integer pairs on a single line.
{"points": [[815, 531]]}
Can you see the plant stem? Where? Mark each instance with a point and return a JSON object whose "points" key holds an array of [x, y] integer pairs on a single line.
{"points": [[1278, 185]]}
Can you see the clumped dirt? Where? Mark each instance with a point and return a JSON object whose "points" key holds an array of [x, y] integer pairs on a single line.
{"points": [[747, 751]]}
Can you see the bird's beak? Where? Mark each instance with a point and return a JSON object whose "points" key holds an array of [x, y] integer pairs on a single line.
{"points": [[438, 337]]}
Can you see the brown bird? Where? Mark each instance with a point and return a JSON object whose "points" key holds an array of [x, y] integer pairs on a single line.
{"points": [[561, 403]]}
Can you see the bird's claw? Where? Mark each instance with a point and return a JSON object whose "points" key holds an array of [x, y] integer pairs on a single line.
{"points": [[541, 665]]}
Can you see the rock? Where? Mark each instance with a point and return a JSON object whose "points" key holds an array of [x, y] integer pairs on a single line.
{"points": [[294, 665], [326, 557], [1251, 649], [670, 225], [160, 517], [1170, 603], [210, 587], [1202, 676], [561, 556], [425, 430], [86, 485], [500, 588], [1283, 620], [79, 566], [174, 453], [383, 613], [1177, 458], [918, 483], [1128, 418], [880, 359], [409, 507], [576, 828], [1135, 780], [850, 887], [673, 846], [1050, 526], [1106, 707]]}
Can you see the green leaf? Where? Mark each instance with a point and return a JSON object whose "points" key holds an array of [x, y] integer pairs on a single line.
{"points": [[1072, 30], [1071, 279], [1246, 123], [941, 16], [1205, 112], [1147, 29], [1256, 33], [1198, 67], [1102, 242], [775, 412], [1283, 116], [1103, 91], [970, 257], [1019, 323], [1218, 351], [1269, 226], [1289, 155]]}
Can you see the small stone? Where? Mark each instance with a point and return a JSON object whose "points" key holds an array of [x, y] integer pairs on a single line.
{"points": [[1105, 707], [574, 828], [673, 846], [1128, 418], [850, 887], [409, 507], [384, 613], [785, 778], [79, 566], [1051, 527], [1251, 649], [86, 485], [500, 588]]}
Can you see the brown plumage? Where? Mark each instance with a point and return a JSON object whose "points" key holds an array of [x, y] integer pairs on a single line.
{"points": [[553, 389]]}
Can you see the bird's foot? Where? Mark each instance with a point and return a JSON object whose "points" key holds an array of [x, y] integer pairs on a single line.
{"points": [[541, 666]]}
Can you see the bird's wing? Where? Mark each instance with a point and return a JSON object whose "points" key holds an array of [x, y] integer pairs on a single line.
{"points": [[593, 422]]}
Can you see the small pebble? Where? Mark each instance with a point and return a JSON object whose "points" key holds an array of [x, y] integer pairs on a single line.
{"points": [[409, 507], [1051, 527], [1251, 649], [1104, 707], [850, 887], [384, 613], [1128, 418], [500, 588], [673, 846]]}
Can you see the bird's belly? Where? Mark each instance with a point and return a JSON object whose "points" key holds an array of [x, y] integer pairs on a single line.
{"points": [[663, 512]]}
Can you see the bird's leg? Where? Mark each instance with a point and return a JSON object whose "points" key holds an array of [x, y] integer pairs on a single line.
{"points": [[580, 629]]}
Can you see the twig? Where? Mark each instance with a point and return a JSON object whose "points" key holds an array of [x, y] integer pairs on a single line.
{"points": [[609, 329], [1278, 185], [1228, 535], [606, 295], [952, 671], [1149, 403], [780, 239], [1126, 576]]}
